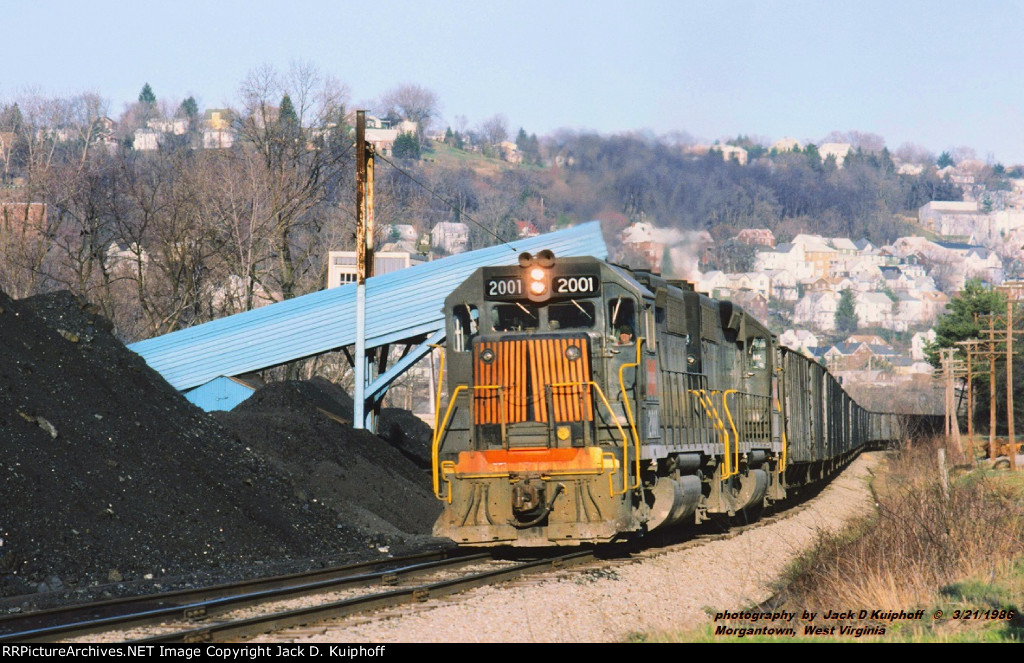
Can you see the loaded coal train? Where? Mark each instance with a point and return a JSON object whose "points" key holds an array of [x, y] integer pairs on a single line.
{"points": [[589, 403]]}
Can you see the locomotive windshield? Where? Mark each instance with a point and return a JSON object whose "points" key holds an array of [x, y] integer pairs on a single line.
{"points": [[514, 317], [571, 315]]}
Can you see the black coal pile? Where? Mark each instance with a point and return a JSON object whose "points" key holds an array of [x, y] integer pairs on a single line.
{"points": [[108, 475], [303, 430], [403, 429]]}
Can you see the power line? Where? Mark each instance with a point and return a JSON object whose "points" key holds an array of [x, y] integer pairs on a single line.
{"points": [[447, 202]]}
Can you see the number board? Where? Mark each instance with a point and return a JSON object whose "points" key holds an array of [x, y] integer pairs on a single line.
{"points": [[578, 283], [508, 284]]}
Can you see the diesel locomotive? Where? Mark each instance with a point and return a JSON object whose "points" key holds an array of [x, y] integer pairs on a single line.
{"points": [[588, 402]]}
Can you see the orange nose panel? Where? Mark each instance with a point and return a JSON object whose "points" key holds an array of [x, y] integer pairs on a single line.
{"points": [[520, 372]]}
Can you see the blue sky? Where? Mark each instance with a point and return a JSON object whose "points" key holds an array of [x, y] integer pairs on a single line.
{"points": [[939, 74]]}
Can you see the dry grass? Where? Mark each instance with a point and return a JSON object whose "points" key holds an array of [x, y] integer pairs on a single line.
{"points": [[919, 541]]}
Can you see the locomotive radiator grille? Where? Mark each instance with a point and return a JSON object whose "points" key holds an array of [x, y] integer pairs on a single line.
{"points": [[549, 366], [513, 384], [507, 371]]}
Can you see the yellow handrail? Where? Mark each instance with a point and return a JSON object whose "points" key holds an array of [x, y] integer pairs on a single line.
{"points": [[629, 410], [437, 391], [782, 429], [625, 443], [716, 421], [735, 435], [439, 471], [501, 404], [435, 443]]}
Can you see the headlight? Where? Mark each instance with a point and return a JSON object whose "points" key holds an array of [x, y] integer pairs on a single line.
{"points": [[572, 353], [487, 356]]}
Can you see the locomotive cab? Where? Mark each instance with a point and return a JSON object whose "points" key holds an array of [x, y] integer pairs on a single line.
{"points": [[538, 444]]}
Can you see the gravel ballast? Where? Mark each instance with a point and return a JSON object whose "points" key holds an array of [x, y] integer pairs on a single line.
{"points": [[671, 592]]}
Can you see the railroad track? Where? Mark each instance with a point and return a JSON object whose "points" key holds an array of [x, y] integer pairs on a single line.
{"points": [[249, 608], [265, 605], [95, 617]]}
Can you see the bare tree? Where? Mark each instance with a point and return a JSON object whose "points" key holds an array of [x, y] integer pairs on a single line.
{"points": [[913, 153], [864, 140], [495, 129], [963, 153], [411, 102], [302, 161]]}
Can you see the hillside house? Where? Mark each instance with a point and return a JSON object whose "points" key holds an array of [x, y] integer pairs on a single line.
{"points": [[817, 310], [786, 144], [145, 140], [783, 285], [798, 339], [837, 150], [874, 309], [731, 153], [756, 237], [918, 342], [950, 217], [449, 236], [218, 132], [643, 242]]}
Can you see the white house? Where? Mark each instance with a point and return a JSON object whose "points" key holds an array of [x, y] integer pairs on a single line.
{"points": [[799, 339], [837, 150], [451, 237], [874, 309], [817, 310], [918, 342]]}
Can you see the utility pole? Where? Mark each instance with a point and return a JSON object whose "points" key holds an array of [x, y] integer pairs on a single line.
{"points": [[971, 350], [950, 370], [1014, 291], [1009, 381], [991, 392], [364, 268], [994, 351]]}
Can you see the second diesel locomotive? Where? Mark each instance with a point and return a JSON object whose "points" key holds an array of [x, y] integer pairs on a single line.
{"points": [[588, 402]]}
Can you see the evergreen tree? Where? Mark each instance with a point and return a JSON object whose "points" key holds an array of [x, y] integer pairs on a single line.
{"points": [[11, 118], [960, 322], [189, 108], [846, 313], [146, 96], [945, 159], [286, 114], [813, 156], [406, 146], [288, 122]]}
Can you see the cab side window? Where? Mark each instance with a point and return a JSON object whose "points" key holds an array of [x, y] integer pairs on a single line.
{"points": [[758, 354], [622, 319], [466, 323]]}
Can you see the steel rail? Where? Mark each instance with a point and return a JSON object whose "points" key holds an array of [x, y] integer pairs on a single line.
{"points": [[303, 616], [57, 623]]}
